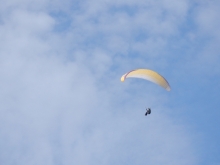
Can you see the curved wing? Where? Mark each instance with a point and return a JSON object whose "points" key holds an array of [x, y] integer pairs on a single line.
{"points": [[149, 75]]}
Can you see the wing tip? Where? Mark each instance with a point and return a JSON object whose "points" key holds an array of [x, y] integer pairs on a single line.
{"points": [[122, 79], [168, 89]]}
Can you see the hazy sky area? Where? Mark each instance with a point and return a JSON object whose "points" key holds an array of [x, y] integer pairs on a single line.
{"points": [[62, 102]]}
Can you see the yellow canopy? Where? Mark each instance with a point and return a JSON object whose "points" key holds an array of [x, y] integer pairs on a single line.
{"points": [[149, 75]]}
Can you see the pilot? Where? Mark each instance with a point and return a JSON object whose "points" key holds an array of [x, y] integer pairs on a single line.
{"points": [[148, 111]]}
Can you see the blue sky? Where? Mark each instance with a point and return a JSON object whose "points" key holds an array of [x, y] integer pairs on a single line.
{"points": [[62, 101]]}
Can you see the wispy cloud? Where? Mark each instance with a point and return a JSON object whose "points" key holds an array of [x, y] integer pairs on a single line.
{"points": [[61, 97]]}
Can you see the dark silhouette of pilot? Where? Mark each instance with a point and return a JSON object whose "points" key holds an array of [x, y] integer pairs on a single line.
{"points": [[148, 111]]}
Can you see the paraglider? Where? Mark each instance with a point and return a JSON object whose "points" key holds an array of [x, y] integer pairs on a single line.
{"points": [[149, 75]]}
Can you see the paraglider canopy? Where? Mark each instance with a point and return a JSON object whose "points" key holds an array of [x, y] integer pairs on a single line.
{"points": [[149, 75]]}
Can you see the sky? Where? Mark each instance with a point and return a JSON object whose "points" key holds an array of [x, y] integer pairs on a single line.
{"points": [[62, 101]]}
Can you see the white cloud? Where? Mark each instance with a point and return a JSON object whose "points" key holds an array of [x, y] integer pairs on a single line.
{"points": [[62, 101], [207, 18], [202, 52], [104, 22]]}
